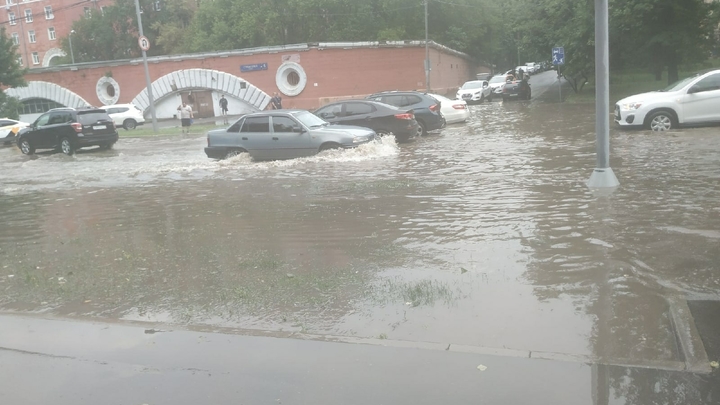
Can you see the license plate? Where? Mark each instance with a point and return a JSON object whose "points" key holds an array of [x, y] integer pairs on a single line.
{"points": [[99, 126], [467, 96]]}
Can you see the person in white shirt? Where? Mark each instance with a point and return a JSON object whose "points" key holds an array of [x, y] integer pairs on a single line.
{"points": [[186, 115]]}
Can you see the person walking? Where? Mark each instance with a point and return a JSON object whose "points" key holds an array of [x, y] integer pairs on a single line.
{"points": [[186, 116], [224, 105], [276, 102]]}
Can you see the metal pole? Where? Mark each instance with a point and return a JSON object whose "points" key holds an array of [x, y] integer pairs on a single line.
{"points": [[72, 54], [147, 72], [603, 176], [427, 50]]}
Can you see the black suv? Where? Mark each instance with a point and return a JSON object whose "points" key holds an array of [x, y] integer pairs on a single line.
{"points": [[68, 129], [425, 107]]}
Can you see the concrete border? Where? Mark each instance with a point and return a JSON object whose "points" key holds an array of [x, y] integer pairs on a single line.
{"points": [[688, 337]]}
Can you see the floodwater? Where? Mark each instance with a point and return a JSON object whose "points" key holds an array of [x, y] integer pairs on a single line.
{"points": [[483, 234]]}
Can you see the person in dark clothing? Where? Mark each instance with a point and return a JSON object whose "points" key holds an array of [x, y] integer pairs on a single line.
{"points": [[521, 74], [276, 102], [224, 105]]}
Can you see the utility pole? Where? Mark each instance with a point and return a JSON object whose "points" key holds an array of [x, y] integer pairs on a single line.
{"points": [[72, 54], [603, 176], [427, 51], [147, 72]]}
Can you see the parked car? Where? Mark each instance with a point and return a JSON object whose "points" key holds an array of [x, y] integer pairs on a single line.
{"points": [[68, 129], [380, 117], [9, 128], [283, 134], [475, 91], [454, 111], [127, 116], [692, 101], [497, 83], [517, 89], [425, 107]]}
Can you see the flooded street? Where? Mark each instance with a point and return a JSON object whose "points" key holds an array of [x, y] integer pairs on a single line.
{"points": [[483, 235]]}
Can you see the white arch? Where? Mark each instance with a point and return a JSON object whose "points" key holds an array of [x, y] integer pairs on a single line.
{"points": [[189, 79], [49, 91], [50, 54]]}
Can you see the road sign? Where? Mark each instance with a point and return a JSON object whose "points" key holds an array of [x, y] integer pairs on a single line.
{"points": [[144, 43], [558, 56], [254, 67]]}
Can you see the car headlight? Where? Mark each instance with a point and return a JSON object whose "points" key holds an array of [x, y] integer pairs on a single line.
{"points": [[631, 106]]}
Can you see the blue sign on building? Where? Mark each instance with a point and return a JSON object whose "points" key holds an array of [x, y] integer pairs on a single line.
{"points": [[558, 56], [253, 68]]}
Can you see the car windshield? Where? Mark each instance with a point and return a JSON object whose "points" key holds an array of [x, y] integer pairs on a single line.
{"points": [[472, 85], [678, 85], [498, 79], [310, 120]]}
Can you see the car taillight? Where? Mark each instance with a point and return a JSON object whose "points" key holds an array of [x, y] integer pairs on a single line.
{"points": [[459, 106], [405, 116], [77, 126], [435, 108]]}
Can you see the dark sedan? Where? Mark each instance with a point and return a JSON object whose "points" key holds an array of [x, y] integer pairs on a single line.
{"points": [[383, 118], [519, 89], [425, 107]]}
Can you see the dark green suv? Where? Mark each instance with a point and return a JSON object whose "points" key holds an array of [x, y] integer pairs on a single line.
{"points": [[68, 129]]}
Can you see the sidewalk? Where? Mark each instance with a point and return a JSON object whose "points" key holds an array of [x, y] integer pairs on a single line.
{"points": [[54, 361]]}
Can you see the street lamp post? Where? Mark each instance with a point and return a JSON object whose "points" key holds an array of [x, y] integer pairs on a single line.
{"points": [[72, 54], [148, 83], [427, 50]]}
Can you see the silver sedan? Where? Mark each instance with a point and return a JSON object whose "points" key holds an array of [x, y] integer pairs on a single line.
{"points": [[283, 134]]}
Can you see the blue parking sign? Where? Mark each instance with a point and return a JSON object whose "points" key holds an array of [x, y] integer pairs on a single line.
{"points": [[558, 56]]}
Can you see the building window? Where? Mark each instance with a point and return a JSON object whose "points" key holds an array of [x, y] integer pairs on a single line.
{"points": [[11, 18], [31, 36], [39, 106], [156, 5], [88, 12], [9, 2], [36, 58], [20, 61], [102, 10], [16, 38], [48, 13], [28, 15], [51, 33]]}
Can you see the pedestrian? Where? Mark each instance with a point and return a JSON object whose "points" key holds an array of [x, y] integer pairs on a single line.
{"points": [[223, 105], [521, 74], [186, 116], [276, 101]]}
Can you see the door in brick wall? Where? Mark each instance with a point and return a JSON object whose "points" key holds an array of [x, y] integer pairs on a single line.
{"points": [[201, 102]]}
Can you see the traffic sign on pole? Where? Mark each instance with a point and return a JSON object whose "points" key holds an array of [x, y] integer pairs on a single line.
{"points": [[144, 43], [558, 56]]}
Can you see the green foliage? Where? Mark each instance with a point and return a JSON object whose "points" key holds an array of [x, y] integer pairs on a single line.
{"points": [[9, 106], [11, 75]]}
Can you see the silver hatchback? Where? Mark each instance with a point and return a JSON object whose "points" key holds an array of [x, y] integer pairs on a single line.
{"points": [[283, 134]]}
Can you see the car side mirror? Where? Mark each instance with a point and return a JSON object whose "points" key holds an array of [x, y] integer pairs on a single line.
{"points": [[299, 130]]}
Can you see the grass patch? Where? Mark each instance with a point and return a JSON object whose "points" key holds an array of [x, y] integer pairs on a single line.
{"points": [[147, 131]]}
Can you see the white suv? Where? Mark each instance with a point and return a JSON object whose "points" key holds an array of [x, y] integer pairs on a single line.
{"points": [[127, 116], [692, 101]]}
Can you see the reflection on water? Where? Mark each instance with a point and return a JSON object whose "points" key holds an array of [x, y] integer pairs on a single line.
{"points": [[484, 234]]}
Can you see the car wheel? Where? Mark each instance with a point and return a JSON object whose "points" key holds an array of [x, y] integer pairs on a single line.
{"points": [[661, 121], [231, 153], [26, 147], [421, 131], [129, 124], [66, 146], [329, 146]]}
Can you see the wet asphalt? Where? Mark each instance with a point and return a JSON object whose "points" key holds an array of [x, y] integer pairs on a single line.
{"points": [[482, 236]]}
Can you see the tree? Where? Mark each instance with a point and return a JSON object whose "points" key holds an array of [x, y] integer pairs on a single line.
{"points": [[11, 75]]}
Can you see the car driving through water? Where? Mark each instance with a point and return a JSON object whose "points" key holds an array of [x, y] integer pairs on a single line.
{"points": [[283, 134]]}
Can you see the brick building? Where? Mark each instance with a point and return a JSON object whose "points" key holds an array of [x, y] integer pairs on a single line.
{"points": [[307, 76], [36, 26]]}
